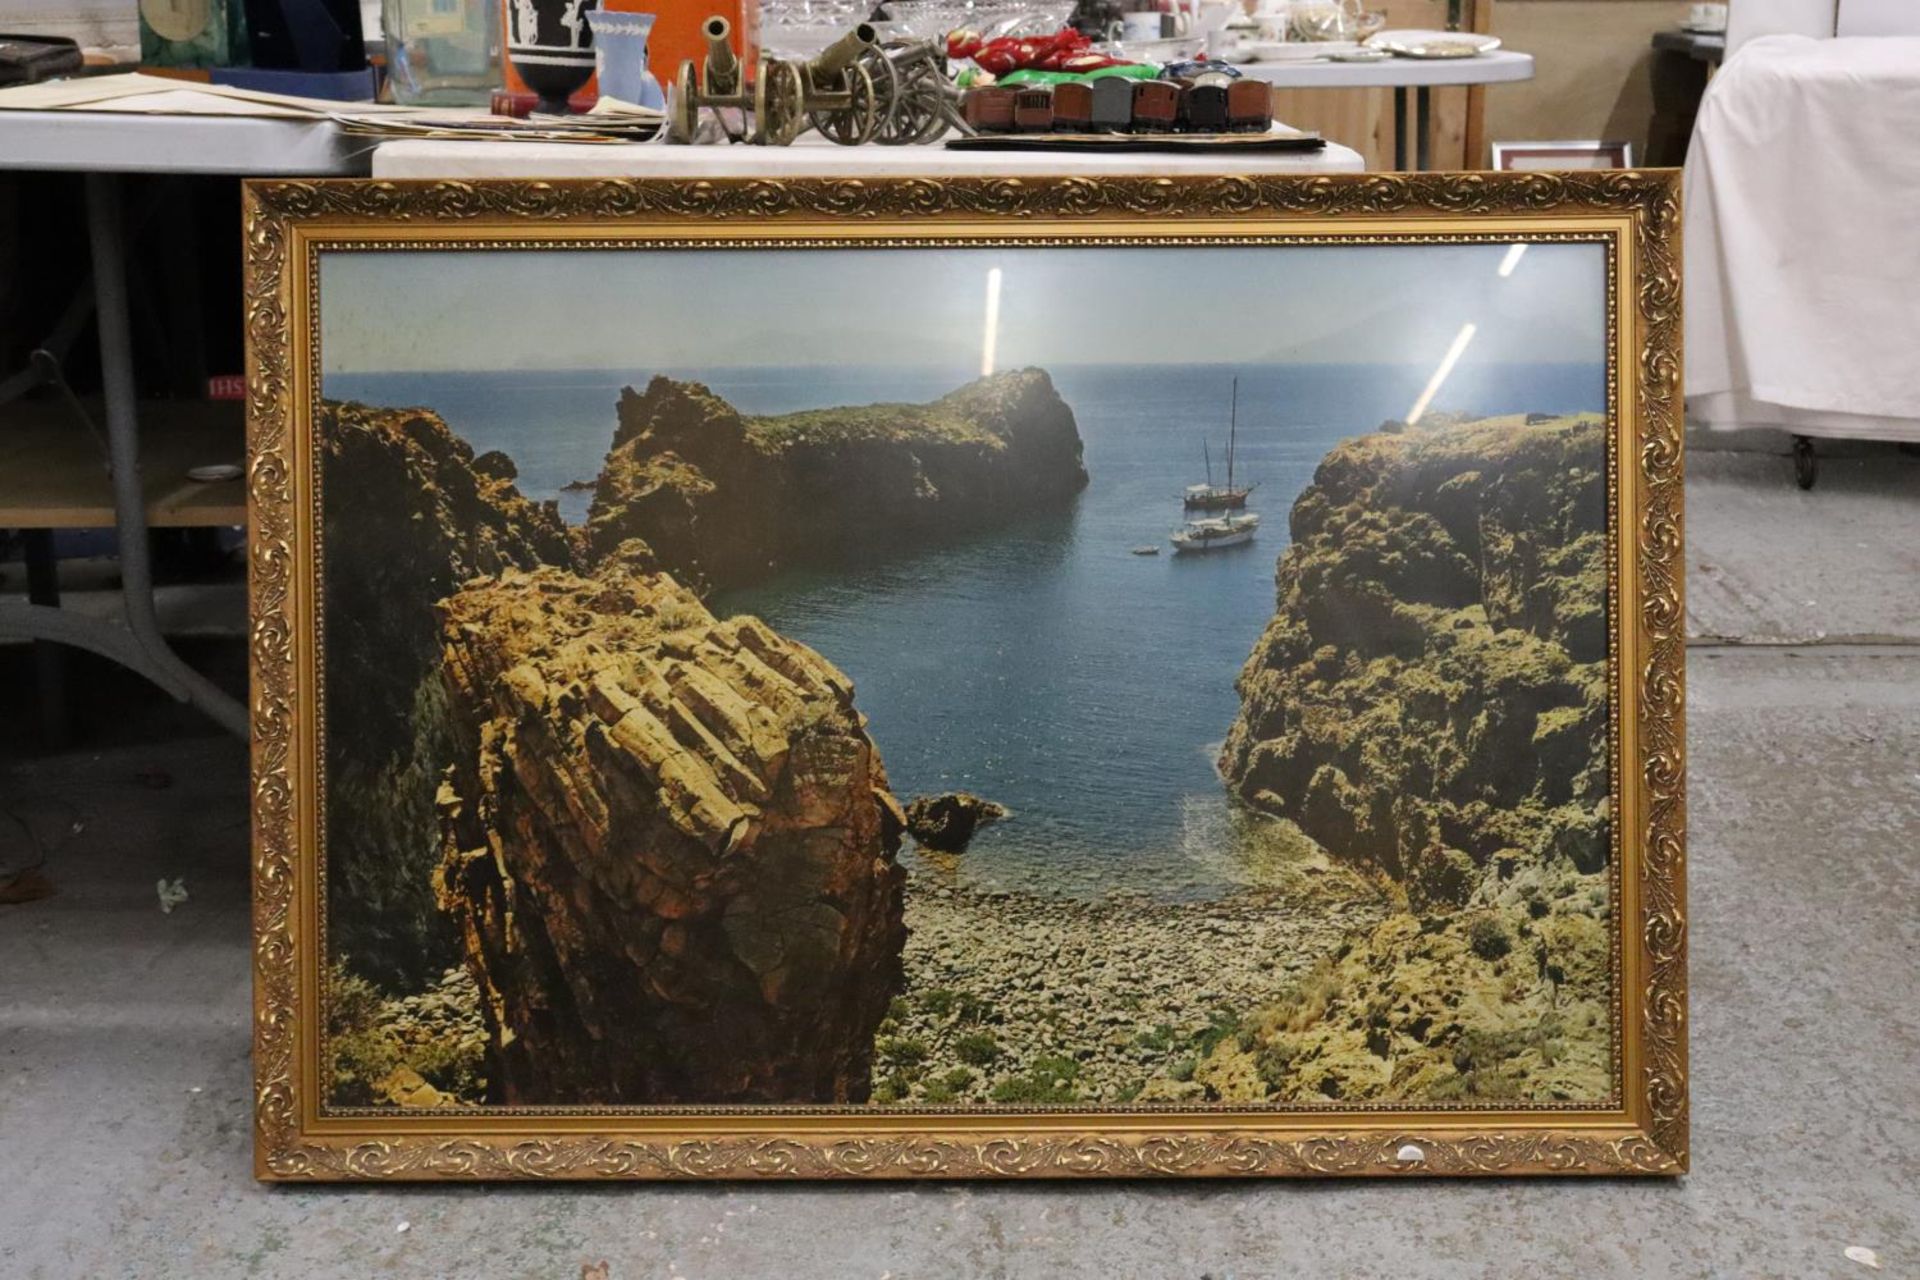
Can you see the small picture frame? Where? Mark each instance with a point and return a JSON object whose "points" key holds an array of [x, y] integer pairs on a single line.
{"points": [[1535, 156]]}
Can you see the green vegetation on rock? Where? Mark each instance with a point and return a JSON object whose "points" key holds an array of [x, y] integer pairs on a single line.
{"points": [[723, 497], [1491, 1003], [425, 1050], [980, 1048], [1430, 701], [901, 1052], [940, 1001], [859, 424], [1049, 1080]]}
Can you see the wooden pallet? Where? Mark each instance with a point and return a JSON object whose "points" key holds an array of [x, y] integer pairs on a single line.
{"points": [[53, 471]]}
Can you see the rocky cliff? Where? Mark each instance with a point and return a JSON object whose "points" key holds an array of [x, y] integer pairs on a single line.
{"points": [[724, 497], [669, 845], [1434, 677], [410, 513], [1430, 701]]}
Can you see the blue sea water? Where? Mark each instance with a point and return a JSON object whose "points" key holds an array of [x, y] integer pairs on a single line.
{"points": [[1041, 665]]}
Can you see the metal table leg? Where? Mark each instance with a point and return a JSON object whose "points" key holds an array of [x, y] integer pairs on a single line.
{"points": [[1422, 128], [1400, 128], [139, 646], [1806, 463], [49, 659]]}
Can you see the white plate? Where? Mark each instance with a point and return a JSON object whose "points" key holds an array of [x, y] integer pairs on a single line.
{"points": [[1417, 43], [1171, 49], [1298, 50]]}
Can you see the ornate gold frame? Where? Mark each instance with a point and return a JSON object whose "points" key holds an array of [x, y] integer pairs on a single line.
{"points": [[1636, 214]]}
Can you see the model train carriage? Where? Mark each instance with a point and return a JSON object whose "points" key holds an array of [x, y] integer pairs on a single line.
{"points": [[1203, 108], [989, 109], [1249, 106], [1033, 110], [1113, 104], [1156, 106], [1072, 107]]}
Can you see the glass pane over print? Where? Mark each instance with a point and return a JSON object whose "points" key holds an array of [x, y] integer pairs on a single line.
{"points": [[1083, 677]]}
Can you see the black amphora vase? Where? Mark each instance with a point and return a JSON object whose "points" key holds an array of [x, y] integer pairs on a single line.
{"points": [[551, 46]]}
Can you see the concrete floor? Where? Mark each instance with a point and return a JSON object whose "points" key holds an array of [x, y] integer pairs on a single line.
{"points": [[123, 1031]]}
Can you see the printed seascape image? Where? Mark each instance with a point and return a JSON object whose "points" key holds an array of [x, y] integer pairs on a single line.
{"points": [[966, 678]]}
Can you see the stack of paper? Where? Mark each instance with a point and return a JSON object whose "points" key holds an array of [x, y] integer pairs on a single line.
{"points": [[149, 95]]}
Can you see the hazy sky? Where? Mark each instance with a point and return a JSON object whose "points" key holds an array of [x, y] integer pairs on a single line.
{"points": [[706, 307]]}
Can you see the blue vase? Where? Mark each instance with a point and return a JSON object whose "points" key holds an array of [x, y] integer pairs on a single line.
{"points": [[620, 46]]}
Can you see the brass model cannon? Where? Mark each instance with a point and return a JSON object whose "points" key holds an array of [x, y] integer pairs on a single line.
{"points": [[855, 91], [860, 90], [917, 99], [837, 89], [744, 110]]}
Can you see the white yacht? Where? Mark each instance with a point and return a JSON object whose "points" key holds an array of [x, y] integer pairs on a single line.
{"points": [[1216, 533]]}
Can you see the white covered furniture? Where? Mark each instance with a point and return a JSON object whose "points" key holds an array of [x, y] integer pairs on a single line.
{"points": [[1803, 239], [1751, 19]]}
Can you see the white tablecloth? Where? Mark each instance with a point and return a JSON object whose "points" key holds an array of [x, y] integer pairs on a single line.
{"points": [[812, 156], [1803, 240]]}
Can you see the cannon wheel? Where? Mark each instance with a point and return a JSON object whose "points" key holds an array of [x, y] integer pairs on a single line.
{"points": [[919, 108], [856, 122], [686, 106], [779, 101], [932, 105], [891, 91]]}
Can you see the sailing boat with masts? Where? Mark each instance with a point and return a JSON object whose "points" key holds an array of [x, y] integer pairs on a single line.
{"points": [[1210, 496], [1233, 526]]}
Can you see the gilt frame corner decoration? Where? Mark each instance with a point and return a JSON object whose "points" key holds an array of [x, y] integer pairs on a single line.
{"points": [[788, 679]]}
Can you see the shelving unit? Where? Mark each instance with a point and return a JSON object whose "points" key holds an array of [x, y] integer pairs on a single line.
{"points": [[53, 471], [63, 464]]}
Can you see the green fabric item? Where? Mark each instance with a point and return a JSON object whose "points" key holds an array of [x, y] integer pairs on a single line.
{"points": [[1136, 72]]}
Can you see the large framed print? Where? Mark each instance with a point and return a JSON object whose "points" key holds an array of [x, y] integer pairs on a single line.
{"points": [[967, 678]]}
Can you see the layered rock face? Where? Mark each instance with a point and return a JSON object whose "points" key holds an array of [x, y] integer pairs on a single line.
{"points": [[724, 498], [412, 514], [1434, 678], [669, 844], [1430, 701]]}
